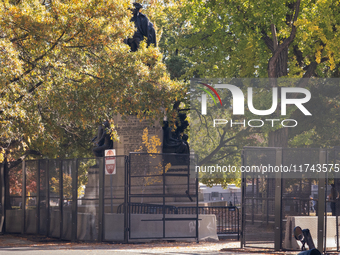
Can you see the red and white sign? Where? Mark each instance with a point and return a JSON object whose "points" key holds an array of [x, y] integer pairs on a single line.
{"points": [[110, 162]]}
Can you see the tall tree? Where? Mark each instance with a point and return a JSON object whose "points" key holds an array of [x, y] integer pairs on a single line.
{"points": [[264, 39], [64, 67], [244, 39]]}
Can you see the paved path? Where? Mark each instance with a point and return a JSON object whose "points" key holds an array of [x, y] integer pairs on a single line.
{"points": [[15, 245], [30, 245]]}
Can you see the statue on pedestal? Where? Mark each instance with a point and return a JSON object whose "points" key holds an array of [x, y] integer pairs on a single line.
{"points": [[103, 140], [144, 29]]}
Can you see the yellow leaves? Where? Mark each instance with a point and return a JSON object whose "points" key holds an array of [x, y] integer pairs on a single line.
{"points": [[152, 143], [149, 179], [67, 183], [54, 184], [145, 136], [331, 62], [167, 167], [86, 69], [24, 146], [2, 155], [320, 2], [139, 149], [314, 28], [328, 52], [113, 131], [318, 56]]}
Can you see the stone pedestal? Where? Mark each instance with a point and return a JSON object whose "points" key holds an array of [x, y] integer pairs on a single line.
{"points": [[130, 132]]}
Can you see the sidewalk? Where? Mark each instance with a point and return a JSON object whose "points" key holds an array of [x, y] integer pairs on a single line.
{"points": [[35, 245]]}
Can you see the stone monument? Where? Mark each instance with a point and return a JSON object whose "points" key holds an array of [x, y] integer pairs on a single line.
{"points": [[134, 138], [130, 132]]}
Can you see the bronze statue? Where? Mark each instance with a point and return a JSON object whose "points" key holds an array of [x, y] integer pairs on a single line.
{"points": [[177, 141], [144, 29], [103, 140]]}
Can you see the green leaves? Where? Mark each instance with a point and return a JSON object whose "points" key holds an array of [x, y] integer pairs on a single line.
{"points": [[235, 39], [64, 67]]}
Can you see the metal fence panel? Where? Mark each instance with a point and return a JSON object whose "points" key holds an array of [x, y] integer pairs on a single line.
{"points": [[227, 217], [14, 219], [305, 197], [54, 170], [72, 199], [114, 196], [31, 171], [68, 167], [88, 199], [43, 197], [332, 204], [259, 196], [300, 194], [160, 179]]}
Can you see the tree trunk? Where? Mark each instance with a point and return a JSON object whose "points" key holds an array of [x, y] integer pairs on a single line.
{"points": [[282, 63], [277, 67], [278, 138]]}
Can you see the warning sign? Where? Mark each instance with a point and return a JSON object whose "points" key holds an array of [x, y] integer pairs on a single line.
{"points": [[110, 162]]}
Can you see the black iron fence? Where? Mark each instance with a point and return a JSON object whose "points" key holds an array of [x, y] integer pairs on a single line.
{"points": [[274, 202], [140, 208], [74, 199], [162, 178], [227, 217], [67, 199]]}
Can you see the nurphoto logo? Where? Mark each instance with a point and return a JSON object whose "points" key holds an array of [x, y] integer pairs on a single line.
{"points": [[239, 102]]}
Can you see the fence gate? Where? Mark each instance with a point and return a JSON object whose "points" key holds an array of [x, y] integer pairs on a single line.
{"points": [[274, 202], [258, 200], [161, 180]]}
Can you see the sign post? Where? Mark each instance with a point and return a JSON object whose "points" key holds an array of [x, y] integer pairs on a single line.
{"points": [[110, 168], [110, 162]]}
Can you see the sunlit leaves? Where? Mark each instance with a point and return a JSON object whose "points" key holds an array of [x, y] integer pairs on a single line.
{"points": [[226, 39], [64, 68]]}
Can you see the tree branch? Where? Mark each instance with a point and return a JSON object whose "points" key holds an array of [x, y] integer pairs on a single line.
{"points": [[19, 38], [22, 96], [29, 91], [275, 43], [93, 76], [273, 60], [225, 156], [22, 158], [268, 41], [211, 155], [37, 59]]}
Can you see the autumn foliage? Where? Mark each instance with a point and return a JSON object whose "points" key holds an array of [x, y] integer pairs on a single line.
{"points": [[64, 67]]}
